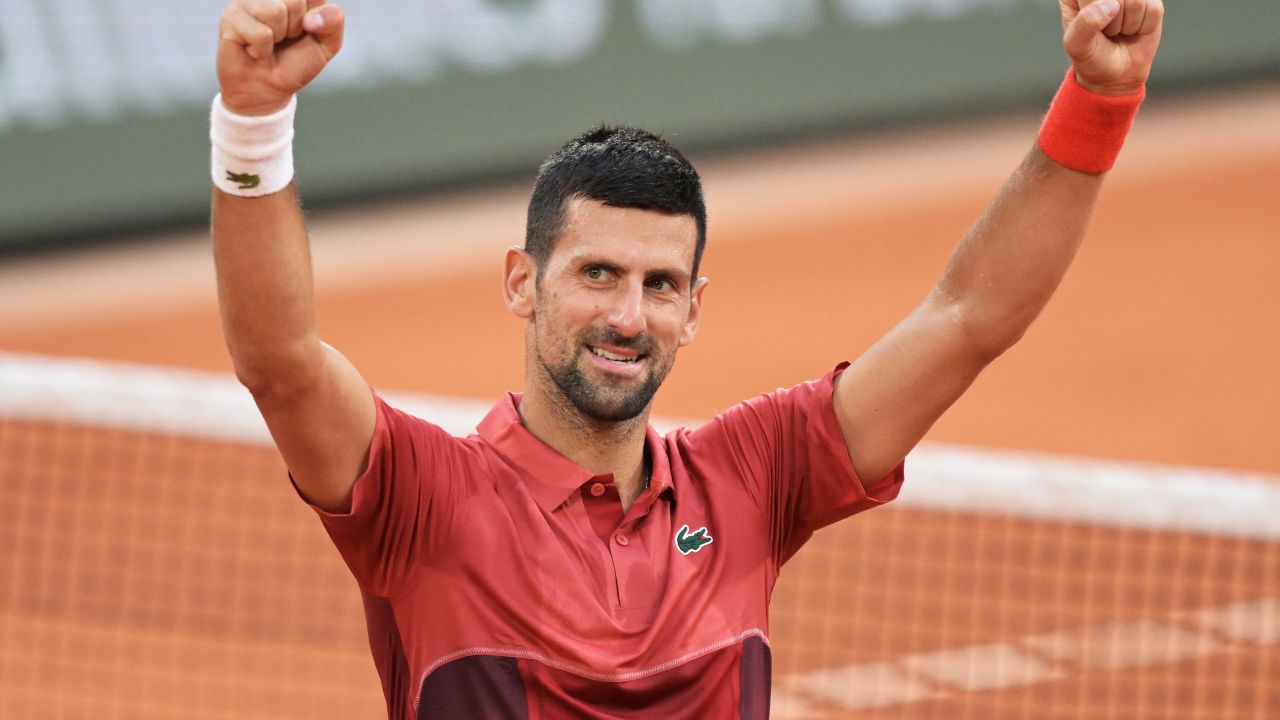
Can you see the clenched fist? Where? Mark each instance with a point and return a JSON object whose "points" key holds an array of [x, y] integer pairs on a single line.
{"points": [[271, 49], [1111, 43]]}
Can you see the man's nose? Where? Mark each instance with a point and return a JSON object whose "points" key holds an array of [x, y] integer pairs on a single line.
{"points": [[627, 314]]}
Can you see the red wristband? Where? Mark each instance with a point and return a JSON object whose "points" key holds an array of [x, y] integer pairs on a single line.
{"points": [[1084, 130]]}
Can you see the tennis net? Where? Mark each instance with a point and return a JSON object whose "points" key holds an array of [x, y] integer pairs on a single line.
{"points": [[156, 564]]}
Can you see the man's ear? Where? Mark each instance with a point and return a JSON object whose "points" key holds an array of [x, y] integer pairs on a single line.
{"points": [[520, 285], [695, 311]]}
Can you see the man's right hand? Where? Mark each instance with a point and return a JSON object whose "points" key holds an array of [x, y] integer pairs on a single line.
{"points": [[271, 49]]}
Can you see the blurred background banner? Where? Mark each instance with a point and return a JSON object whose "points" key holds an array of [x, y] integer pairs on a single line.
{"points": [[1090, 532], [103, 105]]}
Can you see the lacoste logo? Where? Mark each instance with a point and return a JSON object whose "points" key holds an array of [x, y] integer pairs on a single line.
{"points": [[690, 543], [247, 181]]}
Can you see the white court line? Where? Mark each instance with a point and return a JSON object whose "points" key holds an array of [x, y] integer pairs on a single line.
{"points": [[214, 406], [941, 674], [1253, 622], [861, 686], [786, 706], [982, 667], [1121, 645], [1130, 494]]}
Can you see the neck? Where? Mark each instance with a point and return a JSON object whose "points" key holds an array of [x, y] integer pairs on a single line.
{"points": [[600, 446]]}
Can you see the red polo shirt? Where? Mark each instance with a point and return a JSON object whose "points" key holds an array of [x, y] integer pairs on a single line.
{"points": [[502, 580]]}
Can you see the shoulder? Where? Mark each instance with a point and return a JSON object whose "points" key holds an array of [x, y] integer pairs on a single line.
{"points": [[782, 409], [416, 437]]}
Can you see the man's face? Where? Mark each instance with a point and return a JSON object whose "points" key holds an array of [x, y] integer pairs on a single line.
{"points": [[613, 306]]}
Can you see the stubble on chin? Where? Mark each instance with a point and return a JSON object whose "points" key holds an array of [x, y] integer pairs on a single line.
{"points": [[600, 401]]}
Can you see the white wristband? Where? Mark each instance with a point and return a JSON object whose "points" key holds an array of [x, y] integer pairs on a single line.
{"points": [[252, 156]]}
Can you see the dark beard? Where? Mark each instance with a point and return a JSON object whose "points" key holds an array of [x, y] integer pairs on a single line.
{"points": [[605, 406]]}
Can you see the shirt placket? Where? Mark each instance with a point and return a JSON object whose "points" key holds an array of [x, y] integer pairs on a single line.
{"points": [[632, 571]]}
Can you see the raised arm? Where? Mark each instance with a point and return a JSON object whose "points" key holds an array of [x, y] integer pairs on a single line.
{"points": [[1011, 261], [318, 408]]}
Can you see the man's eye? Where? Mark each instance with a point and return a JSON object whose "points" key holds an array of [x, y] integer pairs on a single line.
{"points": [[660, 284], [595, 273]]}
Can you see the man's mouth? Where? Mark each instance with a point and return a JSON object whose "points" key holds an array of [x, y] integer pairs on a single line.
{"points": [[620, 358]]}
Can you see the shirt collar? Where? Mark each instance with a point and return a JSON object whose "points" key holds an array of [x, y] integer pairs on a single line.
{"points": [[551, 477]]}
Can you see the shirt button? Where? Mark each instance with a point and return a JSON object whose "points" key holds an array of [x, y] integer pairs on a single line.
{"points": [[623, 540], [597, 489]]}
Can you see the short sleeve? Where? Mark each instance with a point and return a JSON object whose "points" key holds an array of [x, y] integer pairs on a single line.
{"points": [[402, 504], [788, 450]]}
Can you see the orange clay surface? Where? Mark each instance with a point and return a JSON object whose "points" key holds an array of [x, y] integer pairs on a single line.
{"points": [[1162, 345]]}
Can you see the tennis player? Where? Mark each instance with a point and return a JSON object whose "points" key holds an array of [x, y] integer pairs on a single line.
{"points": [[566, 560]]}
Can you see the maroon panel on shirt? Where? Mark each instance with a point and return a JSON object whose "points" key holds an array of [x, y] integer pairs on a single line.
{"points": [[699, 689], [755, 676], [486, 687], [388, 654], [476, 687]]}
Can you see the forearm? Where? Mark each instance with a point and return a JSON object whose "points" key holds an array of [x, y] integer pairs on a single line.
{"points": [[268, 50], [265, 290], [1013, 258]]}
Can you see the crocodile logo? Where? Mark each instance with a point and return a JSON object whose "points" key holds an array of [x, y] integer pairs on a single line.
{"points": [[247, 181], [687, 542]]}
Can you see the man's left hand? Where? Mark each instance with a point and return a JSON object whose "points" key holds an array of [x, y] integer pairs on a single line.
{"points": [[1111, 43]]}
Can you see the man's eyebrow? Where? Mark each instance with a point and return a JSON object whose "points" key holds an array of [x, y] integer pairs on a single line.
{"points": [[677, 274], [589, 261]]}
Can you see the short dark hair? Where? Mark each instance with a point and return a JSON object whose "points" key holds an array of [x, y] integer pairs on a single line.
{"points": [[619, 166]]}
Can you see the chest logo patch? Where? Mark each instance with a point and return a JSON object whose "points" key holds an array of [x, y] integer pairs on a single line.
{"points": [[687, 542]]}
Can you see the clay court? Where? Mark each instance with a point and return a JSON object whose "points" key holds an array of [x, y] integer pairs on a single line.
{"points": [[148, 575]]}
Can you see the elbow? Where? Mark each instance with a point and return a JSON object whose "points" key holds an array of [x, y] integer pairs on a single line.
{"points": [[254, 377], [277, 371], [258, 377], [1001, 339], [994, 334], [988, 332]]}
